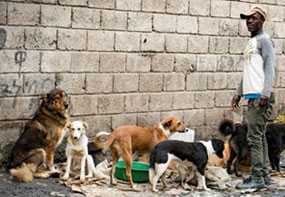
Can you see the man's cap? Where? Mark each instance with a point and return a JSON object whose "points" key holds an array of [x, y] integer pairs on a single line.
{"points": [[252, 11]]}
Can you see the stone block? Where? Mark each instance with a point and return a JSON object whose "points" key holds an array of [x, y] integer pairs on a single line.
{"points": [[127, 41], [72, 83], [204, 99], [97, 124], [58, 16], [237, 45], [152, 42], [177, 114], [151, 82], [138, 63], [101, 40], [223, 98], [139, 22], [86, 18], [228, 27], [206, 63], [238, 7], [40, 38], [99, 83], [23, 14], [233, 80], [220, 8], [164, 23], [184, 63], [177, 6], [279, 46], [15, 37], [162, 63], [187, 24], [84, 105], [280, 63], [160, 102], [148, 119], [123, 119], [198, 44], [176, 43], [219, 45], [196, 81], [37, 84], [276, 13], [209, 26], [73, 2], [84, 62], [112, 62], [18, 108], [279, 30], [213, 116], [136, 102], [230, 63], [128, 5], [31, 61], [72, 39], [55, 61], [102, 3], [280, 80], [126, 82], [174, 82], [110, 104], [183, 100], [3, 12], [10, 131], [217, 81], [11, 85], [200, 9], [114, 20], [153, 6], [194, 117]]}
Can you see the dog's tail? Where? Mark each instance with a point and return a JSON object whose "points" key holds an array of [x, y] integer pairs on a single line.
{"points": [[24, 173], [226, 127]]}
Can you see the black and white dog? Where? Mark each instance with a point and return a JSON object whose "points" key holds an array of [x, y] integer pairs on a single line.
{"points": [[195, 152]]}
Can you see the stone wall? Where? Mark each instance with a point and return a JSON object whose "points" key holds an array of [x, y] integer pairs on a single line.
{"points": [[128, 61]]}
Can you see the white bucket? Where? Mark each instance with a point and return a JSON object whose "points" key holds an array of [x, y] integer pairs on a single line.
{"points": [[187, 136]]}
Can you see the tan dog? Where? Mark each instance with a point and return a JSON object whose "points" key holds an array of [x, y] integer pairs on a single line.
{"points": [[36, 146], [125, 140]]}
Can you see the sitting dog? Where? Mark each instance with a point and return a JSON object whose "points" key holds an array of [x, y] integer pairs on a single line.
{"points": [[77, 148], [239, 150], [41, 136], [196, 152], [126, 140]]}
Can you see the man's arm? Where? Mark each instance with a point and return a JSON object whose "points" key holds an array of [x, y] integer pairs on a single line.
{"points": [[268, 55]]}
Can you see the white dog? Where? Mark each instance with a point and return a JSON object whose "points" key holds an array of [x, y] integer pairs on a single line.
{"points": [[77, 147]]}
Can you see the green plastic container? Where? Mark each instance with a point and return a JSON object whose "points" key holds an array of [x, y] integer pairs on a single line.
{"points": [[139, 171]]}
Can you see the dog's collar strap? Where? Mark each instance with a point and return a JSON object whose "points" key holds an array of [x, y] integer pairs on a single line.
{"points": [[165, 132]]}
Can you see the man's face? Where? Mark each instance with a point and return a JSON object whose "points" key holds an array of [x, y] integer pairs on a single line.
{"points": [[254, 23]]}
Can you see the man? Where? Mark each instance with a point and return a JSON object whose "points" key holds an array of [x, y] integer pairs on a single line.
{"points": [[256, 88]]}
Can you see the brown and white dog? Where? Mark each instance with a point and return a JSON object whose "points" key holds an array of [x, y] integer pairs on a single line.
{"points": [[36, 146], [125, 140]]}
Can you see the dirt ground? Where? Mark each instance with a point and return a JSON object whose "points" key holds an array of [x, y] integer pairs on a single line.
{"points": [[52, 187]]}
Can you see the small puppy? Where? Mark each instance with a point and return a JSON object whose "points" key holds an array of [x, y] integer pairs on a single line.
{"points": [[77, 148], [126, 140], [195, 152]]}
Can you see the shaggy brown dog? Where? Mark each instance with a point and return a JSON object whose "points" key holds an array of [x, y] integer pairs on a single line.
{"points": [[36, 146], [125, 140]]}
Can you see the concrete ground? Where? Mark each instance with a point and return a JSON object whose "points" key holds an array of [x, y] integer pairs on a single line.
{"points": [[52, 187]]}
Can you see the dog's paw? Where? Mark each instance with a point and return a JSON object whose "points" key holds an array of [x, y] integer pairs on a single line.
{"points": [[114, 182], [82, 179], [155, 189]]}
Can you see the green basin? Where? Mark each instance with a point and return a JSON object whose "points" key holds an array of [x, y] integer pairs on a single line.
{"points": [[139, 171]]}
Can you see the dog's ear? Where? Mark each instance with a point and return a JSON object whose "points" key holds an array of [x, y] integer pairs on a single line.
{"points": [[43, 98], [167, 123], [85, 125], [68, 125]]}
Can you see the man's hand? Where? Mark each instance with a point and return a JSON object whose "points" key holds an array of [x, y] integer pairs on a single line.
{"points": [[235, 102], [263, 101]]}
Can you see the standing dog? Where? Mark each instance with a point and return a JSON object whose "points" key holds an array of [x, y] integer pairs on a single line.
{"points": [[196, 152], [125, 140], [239, 150], [41, 136], [77, 148]]}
